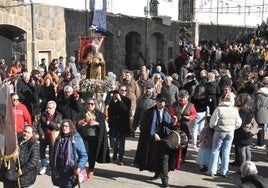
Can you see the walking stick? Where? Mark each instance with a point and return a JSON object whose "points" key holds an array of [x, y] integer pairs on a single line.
{"points": [[75, 163]]}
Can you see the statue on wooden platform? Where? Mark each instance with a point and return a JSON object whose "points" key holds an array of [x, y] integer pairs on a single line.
{"points": [[96, 64]]}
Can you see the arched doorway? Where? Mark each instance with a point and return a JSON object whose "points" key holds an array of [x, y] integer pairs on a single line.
{"points": [[13, 43], [156, 47], [134, 56]]}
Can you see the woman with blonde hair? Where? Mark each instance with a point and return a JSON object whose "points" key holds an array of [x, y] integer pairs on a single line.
{"points": [[243, 139], [213, 91], [224, 120], [158, 83]]}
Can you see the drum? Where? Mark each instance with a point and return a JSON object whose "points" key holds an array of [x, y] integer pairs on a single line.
{"points": [[176, 139]]}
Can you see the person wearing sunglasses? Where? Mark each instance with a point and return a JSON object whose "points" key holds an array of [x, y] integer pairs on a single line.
{"points": [[93, 131], [21, 114], [118, 120]]}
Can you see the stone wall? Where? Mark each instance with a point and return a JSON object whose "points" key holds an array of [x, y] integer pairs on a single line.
{"points": [[48, 29], [14, 15], [57, 30], [118, 27], [225, 33]]}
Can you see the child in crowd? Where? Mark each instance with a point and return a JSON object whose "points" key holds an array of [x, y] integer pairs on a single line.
{"points": [[204, 152]]}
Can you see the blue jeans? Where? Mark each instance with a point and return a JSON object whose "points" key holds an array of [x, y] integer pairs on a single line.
{"points": [[198, 125], [42, 148], [119, 145], [222, 142]]}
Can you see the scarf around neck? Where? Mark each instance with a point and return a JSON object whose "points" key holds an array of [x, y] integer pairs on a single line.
{"points": [[63, 151]]}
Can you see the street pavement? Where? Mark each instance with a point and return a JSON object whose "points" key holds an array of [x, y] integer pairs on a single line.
{"points": [[113, 175]]}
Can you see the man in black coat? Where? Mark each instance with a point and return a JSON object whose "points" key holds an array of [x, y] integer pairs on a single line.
{"points": [[225, 80], [145, 102], [26, 92], [118, 119], [28, 157], [157, 157], [69, 104]]}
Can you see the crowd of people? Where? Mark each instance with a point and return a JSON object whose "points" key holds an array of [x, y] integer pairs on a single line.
{"points": [[210, 92]]}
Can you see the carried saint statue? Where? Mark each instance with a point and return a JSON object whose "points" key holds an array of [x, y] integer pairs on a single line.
{"points": [[96, 64]]}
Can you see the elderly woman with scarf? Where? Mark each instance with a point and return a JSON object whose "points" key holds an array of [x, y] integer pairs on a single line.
{"points": [[69, 156]]}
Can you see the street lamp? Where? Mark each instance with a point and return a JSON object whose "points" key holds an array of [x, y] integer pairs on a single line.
{"points": [[87, 16], [146, 13], [217, 21]]}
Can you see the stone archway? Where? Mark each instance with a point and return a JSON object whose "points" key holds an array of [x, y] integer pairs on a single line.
{"points": [[13, 43], [134, 57]]}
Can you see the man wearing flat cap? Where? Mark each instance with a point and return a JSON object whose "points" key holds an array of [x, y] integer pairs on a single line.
{"points": [[144, 102], [158, 123]]}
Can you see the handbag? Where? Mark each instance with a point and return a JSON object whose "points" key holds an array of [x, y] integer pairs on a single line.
{"points": [[251, 127], [83, 176], [91, 131], [88, 131]]}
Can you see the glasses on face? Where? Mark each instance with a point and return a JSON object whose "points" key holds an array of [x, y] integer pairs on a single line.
{"points": [[15, 100], [90, 103], [65, 125]]}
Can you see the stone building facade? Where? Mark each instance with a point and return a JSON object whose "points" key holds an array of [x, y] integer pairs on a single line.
{"points": [[37, 31], [33, 31]]}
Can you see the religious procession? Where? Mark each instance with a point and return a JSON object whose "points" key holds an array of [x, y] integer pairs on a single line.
{"points": [[208, 98], [64, 119]]}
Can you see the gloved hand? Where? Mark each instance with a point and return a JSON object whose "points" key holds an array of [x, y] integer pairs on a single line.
{"points": [[75, 95]]}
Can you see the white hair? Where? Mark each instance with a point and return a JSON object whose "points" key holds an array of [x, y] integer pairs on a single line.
{"points": [[68, 88], [52, 103], [248, 168]]}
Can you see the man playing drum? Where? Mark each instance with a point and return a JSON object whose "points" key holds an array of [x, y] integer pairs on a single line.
{"points": [[161, 125]]}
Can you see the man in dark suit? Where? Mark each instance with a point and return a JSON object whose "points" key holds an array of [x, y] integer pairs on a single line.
{"points": [[118, 119]]}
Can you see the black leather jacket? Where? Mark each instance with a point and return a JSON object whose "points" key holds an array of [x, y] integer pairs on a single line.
{"points": [[42, 127], [29, 159]]}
